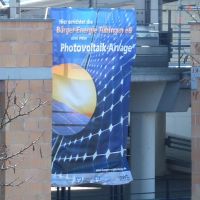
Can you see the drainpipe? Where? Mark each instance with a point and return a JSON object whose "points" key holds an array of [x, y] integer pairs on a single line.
{"points": [[179, 32]]}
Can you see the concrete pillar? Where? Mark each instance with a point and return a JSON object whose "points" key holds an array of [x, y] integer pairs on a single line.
{"points": [[160, 144], [92, 3], [140, 9], [143, 132], [14, 9], [154, 12]]}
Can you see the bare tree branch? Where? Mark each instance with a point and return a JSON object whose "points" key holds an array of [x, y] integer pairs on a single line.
{"points": [[194, 60], [15, 182], [17, 105], [14, 108], [21, 151]]}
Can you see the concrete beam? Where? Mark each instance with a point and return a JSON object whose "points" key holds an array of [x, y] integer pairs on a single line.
{"points": [[152, 74]]}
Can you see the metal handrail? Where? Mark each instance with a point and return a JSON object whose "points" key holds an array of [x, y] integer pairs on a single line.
{"points": [[178, 33], [178, 143]]}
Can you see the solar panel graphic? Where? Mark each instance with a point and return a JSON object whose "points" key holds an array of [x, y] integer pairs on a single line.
{"points": [[89, 139]]}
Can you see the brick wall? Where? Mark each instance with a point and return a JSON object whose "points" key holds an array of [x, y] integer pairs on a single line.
{"points": [[2, 133], [27, 44], [195, 52]]}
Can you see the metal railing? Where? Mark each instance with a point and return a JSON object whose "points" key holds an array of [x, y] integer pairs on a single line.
{"points": [[178, 153], [178, 143], [172, 33]]}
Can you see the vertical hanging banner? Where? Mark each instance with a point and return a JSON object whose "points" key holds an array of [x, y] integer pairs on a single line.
{"points": [[94, 50]]}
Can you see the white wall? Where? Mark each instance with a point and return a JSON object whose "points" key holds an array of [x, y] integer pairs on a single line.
{"points": [[179, 123]]}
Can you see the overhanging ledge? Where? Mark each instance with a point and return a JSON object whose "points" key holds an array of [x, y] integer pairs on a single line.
{"points": [[25, 20], [25, 73], [152, 74]]}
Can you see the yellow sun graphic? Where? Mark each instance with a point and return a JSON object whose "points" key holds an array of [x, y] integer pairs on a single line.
{"points": [[73, 86]]}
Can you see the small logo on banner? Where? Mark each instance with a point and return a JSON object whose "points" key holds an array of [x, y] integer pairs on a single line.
{"points": [[79, 179], [124, 177]]}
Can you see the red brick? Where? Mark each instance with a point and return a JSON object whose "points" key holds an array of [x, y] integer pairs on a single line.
{"points": [[36, 86], [5, 48], [31, 124], [29, 45]]}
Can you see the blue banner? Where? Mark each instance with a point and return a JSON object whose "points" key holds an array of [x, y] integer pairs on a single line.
{"points": [[93, 52]]}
